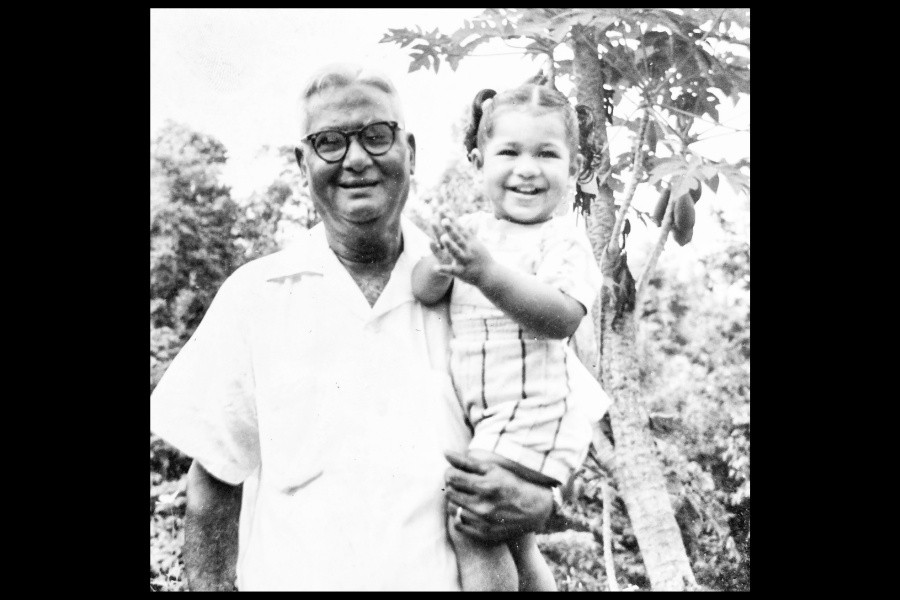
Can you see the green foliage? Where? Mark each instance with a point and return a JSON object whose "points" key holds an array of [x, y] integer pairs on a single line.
{"points": [[575, 559], [674, 60], [689, 173], [576, 555], [167, 502], [696, 339], [459, 189], [639, 47], [191, 220], [696, 344], [166, 462], [269, 219], [456, 191]]}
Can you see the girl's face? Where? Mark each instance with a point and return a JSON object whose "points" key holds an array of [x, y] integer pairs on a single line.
{"points": [[526, 165]]}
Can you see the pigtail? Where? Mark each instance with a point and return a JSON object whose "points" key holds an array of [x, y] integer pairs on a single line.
{"points": [[585, 143], [471, 138]]}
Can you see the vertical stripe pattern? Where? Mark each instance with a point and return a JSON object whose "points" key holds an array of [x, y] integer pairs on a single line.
{"points": [[514, 388]]}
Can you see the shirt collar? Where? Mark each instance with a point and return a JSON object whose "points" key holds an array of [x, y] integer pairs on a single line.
{"points": [[308, 255]]}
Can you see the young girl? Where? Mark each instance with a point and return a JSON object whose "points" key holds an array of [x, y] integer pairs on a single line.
{"points": [[520, 282]]}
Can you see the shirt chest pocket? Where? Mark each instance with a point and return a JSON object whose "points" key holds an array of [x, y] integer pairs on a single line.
{"points": [[298, 364]]}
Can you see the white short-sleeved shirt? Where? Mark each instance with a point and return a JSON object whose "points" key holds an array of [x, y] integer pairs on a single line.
{"points": [[333, 414]]}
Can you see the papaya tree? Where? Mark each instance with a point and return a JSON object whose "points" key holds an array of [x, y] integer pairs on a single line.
{"points": [[678, 66]]}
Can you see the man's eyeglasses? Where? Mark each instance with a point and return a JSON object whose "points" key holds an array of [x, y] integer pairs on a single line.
{"points": [[331, 145]]}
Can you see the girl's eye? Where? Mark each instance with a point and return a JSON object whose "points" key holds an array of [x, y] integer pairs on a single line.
{"points": [[548, 154], [506, 152]]}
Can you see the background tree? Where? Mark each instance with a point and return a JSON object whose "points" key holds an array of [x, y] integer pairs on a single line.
{"points": [[269, 219], [678, 65], [457, 189], [192, 250]]}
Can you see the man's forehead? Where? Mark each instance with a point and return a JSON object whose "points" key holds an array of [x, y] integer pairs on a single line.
{"points": [[350, 106]]}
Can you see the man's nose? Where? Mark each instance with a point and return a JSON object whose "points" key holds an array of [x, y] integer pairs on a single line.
{"points": [[357, 158]]}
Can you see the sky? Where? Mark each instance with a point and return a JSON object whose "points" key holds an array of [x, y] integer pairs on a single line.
{"points": [[236, 74]]}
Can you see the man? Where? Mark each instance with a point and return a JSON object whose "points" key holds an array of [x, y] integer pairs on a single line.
{"points": [[314, 396]]}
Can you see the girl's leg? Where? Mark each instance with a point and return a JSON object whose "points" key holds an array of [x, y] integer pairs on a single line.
{"points": [[534, 572], [520, 557], [482, 566]]}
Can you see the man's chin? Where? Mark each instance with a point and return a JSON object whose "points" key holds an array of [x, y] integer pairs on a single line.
{"points": [[362, 221], [362, 214], [365, 210]]}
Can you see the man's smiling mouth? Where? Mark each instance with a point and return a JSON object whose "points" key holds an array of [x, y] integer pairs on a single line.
{"points": [[357, 184]]}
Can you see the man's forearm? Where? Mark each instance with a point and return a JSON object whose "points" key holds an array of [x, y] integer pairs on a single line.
{"points": [[428, 286], [210, 531]]}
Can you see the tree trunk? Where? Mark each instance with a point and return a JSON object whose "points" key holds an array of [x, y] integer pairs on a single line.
{"points": [[638, 471], [588, 78]]}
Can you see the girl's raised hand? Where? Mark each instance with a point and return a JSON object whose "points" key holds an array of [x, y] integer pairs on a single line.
{"points": [[437, 248], [439, 251], [470, 258]]}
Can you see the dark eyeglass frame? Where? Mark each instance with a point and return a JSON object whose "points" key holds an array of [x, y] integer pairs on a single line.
{"points": [[393, 125]]}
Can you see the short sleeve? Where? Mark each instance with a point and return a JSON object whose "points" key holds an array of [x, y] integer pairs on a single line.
{"points": [[204, 403], [567, 263]]}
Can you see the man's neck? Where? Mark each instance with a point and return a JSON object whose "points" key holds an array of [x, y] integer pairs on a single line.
{"points": [[367, 254], [369, 261]]}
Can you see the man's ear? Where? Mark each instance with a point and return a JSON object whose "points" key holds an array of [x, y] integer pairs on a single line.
{"points": [[298, 154], [411, 142], [475, 158]]}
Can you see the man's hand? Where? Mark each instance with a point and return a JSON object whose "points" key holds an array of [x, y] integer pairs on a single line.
{"points": [[497, 505]]}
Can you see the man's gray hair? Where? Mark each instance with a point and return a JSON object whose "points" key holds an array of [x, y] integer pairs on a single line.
{"points": [[339, 75]]}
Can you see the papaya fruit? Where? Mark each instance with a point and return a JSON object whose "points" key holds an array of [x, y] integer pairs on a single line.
{"points": [[660, 211], [683, 236], [684, 213]]}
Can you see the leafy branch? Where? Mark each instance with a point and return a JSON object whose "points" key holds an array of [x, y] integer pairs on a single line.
{"points": [[685, 176], [637, 164], [650, 265]]}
